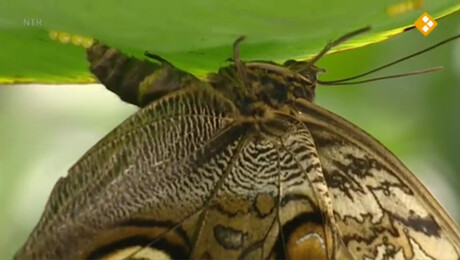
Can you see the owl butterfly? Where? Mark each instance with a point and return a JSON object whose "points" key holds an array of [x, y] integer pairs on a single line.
{"points": [[240, 165]]}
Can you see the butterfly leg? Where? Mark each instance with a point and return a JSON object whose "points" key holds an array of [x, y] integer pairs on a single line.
{"points": [[156, 57], [337, 42]]}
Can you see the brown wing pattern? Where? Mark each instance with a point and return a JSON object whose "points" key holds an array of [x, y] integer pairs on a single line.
{"points": [[186, 178], [262, 190], [263, 206], [382, 210], [136, 166]]}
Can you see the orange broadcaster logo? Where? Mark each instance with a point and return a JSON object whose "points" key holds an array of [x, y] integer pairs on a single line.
{"points": [[425, 24]]}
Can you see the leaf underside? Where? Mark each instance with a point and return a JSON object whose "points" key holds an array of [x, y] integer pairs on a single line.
{"points": [[196, 36]]}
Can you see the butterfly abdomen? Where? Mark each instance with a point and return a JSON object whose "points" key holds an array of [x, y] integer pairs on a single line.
{"points": [[135, 81]]}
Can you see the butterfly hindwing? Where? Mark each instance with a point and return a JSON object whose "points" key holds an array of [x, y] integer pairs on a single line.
{"points": [[382, 210], [263, 206]]}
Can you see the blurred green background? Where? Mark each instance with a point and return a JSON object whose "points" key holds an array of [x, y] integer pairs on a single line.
{"points": [[46, 128]]}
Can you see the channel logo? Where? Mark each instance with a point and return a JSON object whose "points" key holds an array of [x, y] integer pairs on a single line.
{"points": [[425, 24]]}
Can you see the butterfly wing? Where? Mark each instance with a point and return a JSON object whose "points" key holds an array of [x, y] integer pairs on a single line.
{"points": [[381, 209], [139, 167], [185, 177]]}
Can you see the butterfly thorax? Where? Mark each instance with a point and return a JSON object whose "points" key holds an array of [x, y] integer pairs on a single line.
{"points": [[258, 85]]}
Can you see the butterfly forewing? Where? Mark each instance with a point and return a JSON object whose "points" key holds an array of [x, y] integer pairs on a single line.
{"points": [[113, 183]]}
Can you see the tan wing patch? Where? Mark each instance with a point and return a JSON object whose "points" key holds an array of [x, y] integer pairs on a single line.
{"points": [[265, 190], [136, 252], [379, 213], [367, 193]]}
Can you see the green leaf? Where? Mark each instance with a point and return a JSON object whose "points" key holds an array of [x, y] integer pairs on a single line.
{"points": [[194, 35]]}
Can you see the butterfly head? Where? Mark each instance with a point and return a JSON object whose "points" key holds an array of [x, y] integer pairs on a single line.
{"points": [[256, 84], [304, 69], [253, 85]]}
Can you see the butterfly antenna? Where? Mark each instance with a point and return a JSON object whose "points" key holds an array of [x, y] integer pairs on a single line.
{"points": [[344, 80], [236, 58], [418, 72], [337, 42]]}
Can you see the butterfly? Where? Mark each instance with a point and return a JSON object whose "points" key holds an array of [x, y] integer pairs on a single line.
{"points": [[240, 165]]}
